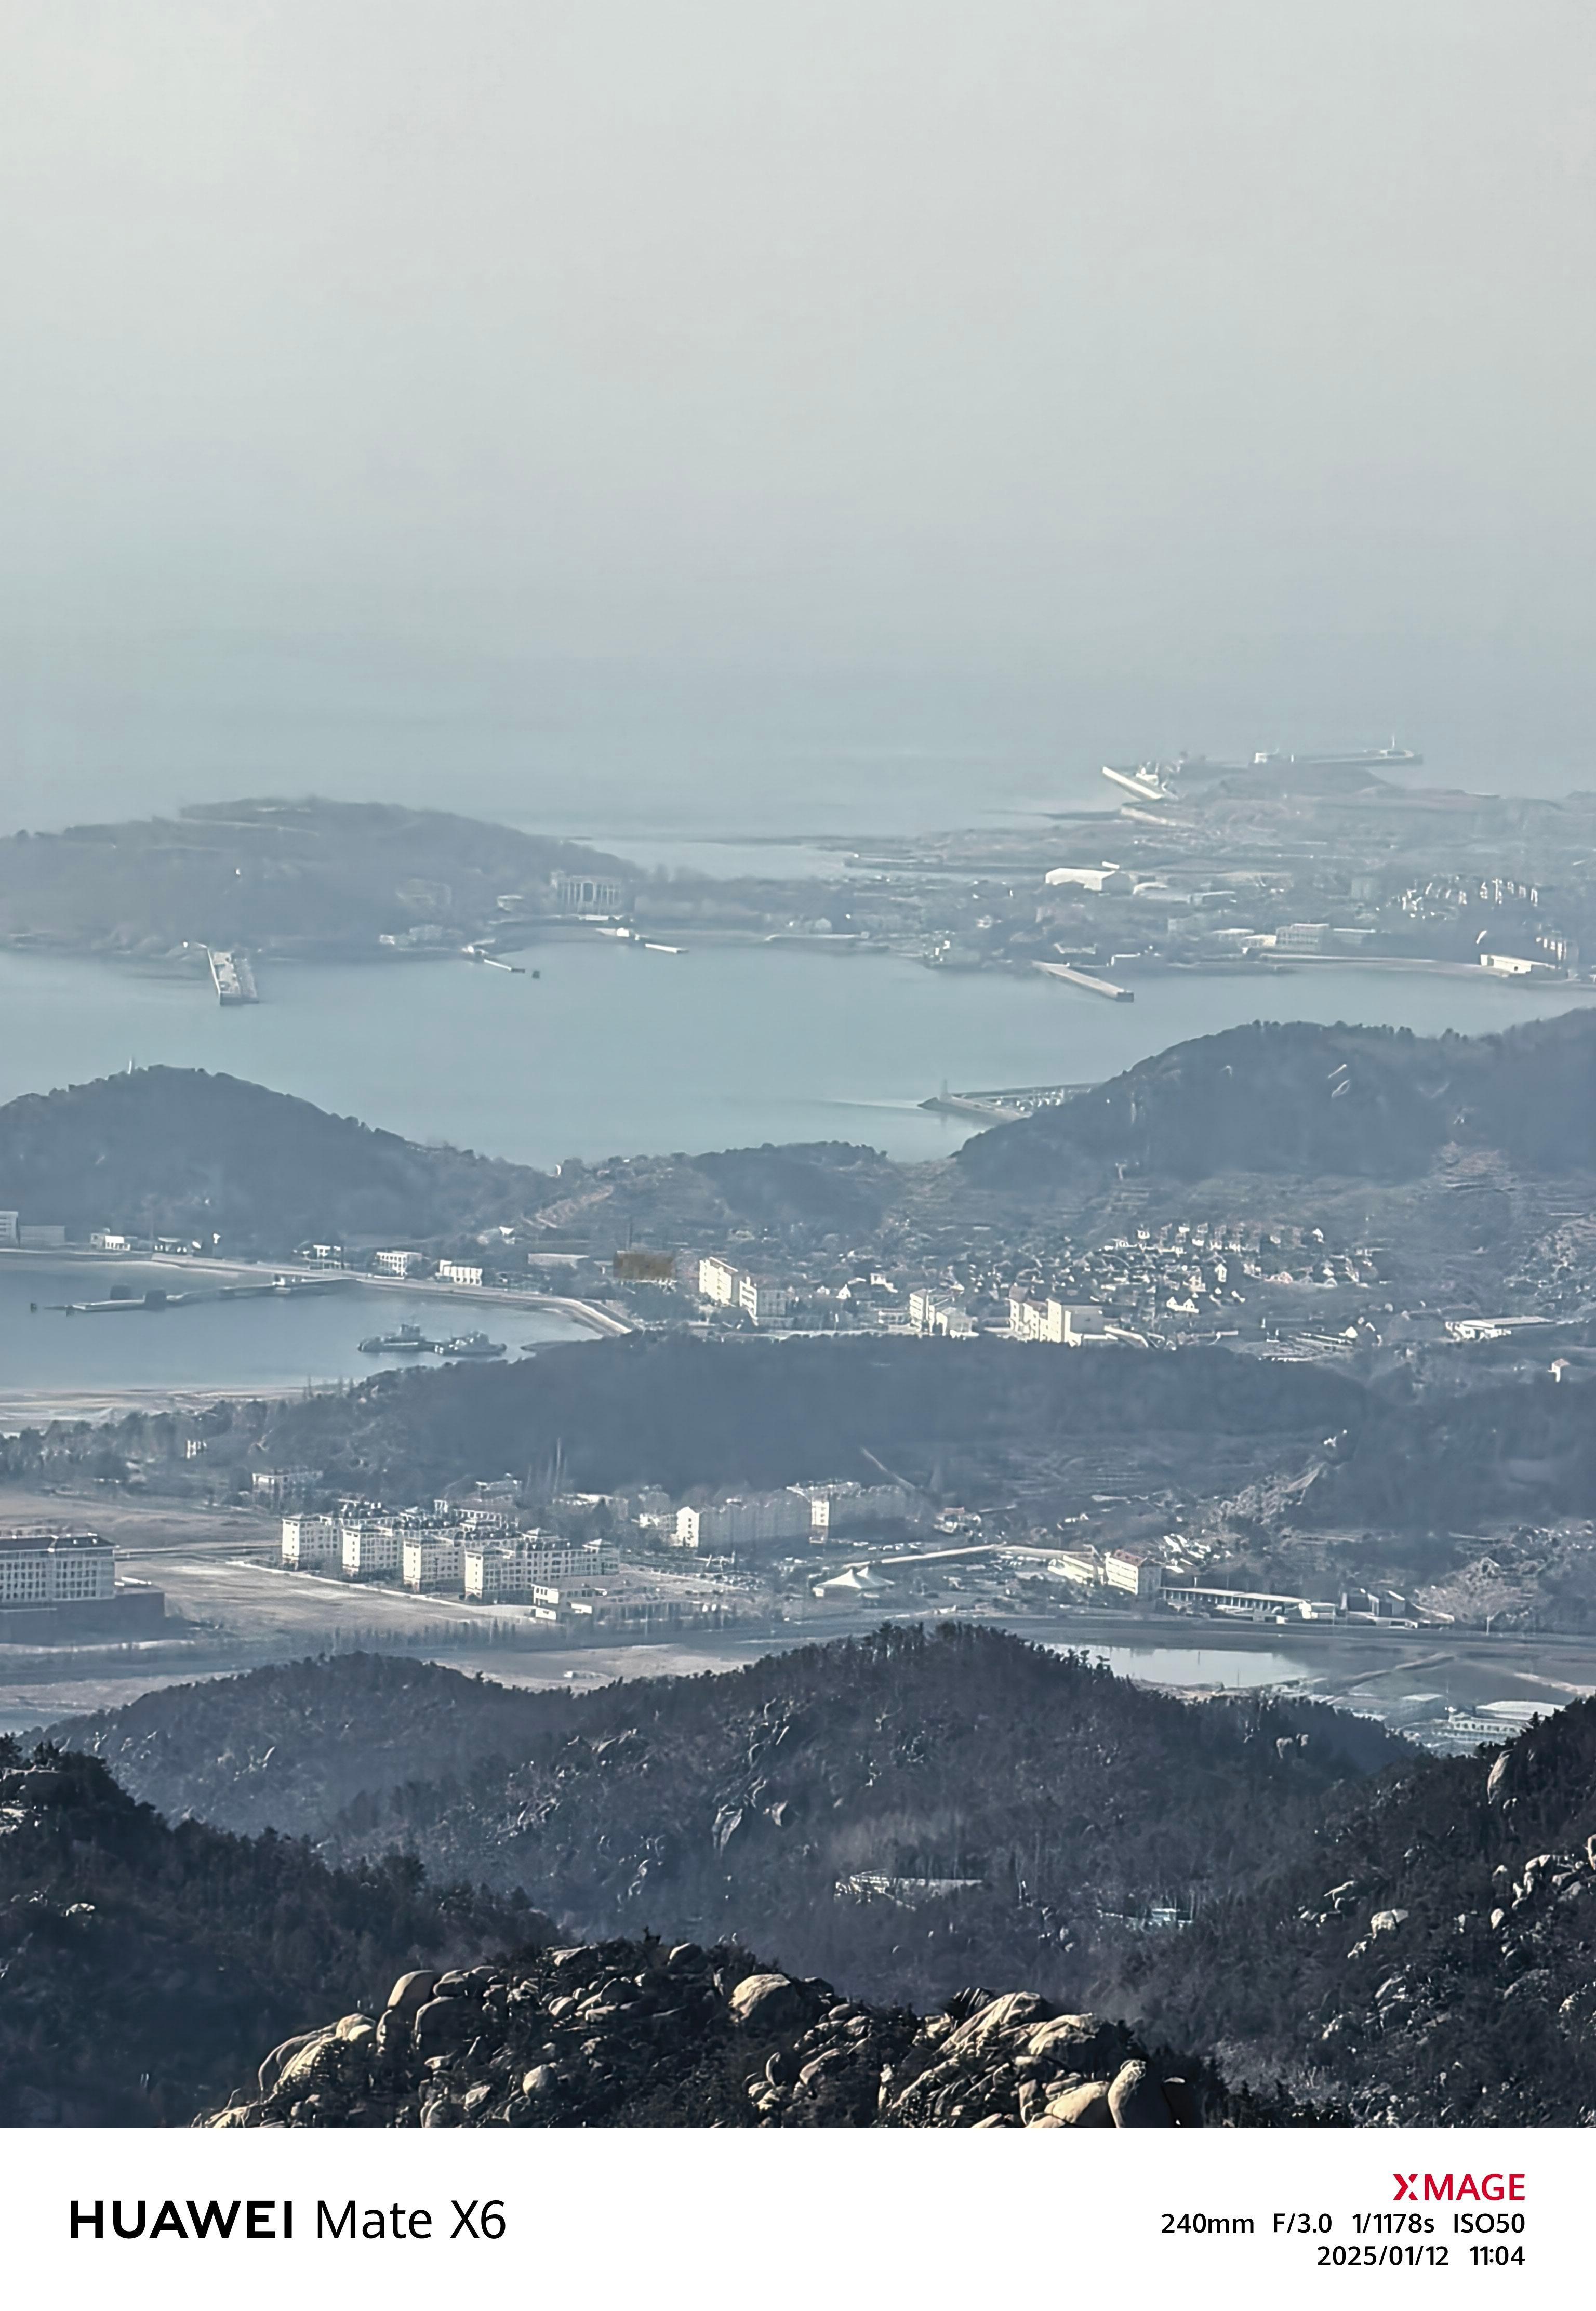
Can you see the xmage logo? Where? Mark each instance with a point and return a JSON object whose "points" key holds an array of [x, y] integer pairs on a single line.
{"points": [[1460, 2188]]}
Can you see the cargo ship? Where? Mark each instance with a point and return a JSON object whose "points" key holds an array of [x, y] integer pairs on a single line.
{"points": [[1156, 781]]}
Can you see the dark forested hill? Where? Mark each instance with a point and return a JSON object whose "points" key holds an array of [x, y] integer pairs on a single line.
{"points": [[782, 1803], [145, 1968], [286, 1748], [1368, 1103], [1500, 1449], [178, 1151], [678, 1411], [1431, 1956], [253, 873]]}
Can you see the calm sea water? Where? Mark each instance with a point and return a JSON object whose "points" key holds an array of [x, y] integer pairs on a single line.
{"points": [[270, 1344], [614, 1053]]}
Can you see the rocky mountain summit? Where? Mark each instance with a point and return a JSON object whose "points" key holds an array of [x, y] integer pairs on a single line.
{"points": [[631, 2033]]}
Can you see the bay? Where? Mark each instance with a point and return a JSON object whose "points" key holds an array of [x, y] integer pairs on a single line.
{"points": [[613, 1050], [82, 1367]]}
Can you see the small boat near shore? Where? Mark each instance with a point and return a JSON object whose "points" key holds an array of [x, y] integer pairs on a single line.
{"points": [[409, 1340]]}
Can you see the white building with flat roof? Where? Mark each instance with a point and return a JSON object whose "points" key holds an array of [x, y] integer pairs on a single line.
{"points": [[370, 1548], [432, 1560], [309, 1541], [1129, 1569], [398, 1263], [761, 1302], [1064, 1324], [717, 1280], [273, 1486], [458, 1271], [56, 1568], [747, 1520], [513, 1569]]}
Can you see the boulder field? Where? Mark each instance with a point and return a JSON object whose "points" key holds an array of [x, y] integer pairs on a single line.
{"points": [[632, 2033]]}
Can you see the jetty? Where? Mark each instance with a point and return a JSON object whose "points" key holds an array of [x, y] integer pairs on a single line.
{"points": [[1089, 980], [155, 1302]]}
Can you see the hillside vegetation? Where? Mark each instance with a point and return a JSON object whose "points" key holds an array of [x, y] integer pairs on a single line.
{"points": [[175, 1150], [1365, 1103], [1430, 1957], [143, 1966], [680, 1411], [178, 1151], [1056, 1801], [257, 873]]}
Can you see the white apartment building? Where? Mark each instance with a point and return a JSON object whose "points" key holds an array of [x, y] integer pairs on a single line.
{"points": [[513, 1569], [56, 1568], [370, 1547], [432, 1560], [726, 1287], [107, 1240], [1081, 1566], [760, 1302], [8, 1227], [458, 1271], [1060, 1321], [746, 1521], [273, 1486], [844, 1507], [398, 1263], [939, 1312], [310, 1541], [1129, 1569], [717, 1280]]}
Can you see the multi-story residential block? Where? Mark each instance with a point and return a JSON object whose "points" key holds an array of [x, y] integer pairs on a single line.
{"points": [[511, 1569], [848, 1507], [1129, 1569], [458, 1271], [746, 1521], [717, 1280], [1065, 1324], [432, 1560], [761, 1302], [371, 1547], [271, 1487], [55, 1568], [309, 1541]]}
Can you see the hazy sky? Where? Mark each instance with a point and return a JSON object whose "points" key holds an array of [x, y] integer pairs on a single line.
{"points": [[404, 383]]}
